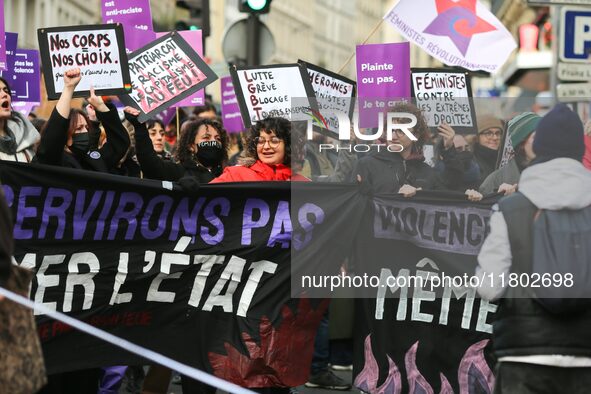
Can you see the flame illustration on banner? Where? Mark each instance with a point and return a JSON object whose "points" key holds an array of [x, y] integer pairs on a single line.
{"points": [[474, 374], [261, 367], [368, 378]]}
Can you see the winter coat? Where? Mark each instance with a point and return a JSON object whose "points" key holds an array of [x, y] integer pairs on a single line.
{"points": [[25, 137], [258, 171], [510, 174], [51, 149], [386, 172], [523, 329], [486, 159], [154, 166], [455, 175]]}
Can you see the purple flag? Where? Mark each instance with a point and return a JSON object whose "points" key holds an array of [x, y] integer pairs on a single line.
{"points": [[136, 18], [383, 76], [193, 38], [3, 65], [25, 77], [23, 107], [230, 109]]}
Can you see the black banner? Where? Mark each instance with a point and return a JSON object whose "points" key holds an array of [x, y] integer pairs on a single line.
{"points": [[202, 279], [416, 332]]}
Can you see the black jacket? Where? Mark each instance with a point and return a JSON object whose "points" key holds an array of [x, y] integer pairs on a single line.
{"points": [[385, 172], [6, 242], [486, 159], [51, 149], [522, 326], [154, 167]]}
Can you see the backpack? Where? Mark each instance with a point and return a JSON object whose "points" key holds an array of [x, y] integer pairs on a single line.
{"points": [[562, 259]]}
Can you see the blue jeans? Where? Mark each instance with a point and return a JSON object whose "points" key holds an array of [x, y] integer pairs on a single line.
{"points": [[321, 347]]}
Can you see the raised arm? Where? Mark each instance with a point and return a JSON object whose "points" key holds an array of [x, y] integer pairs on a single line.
{"points": [[153, 167], [53, 140]]}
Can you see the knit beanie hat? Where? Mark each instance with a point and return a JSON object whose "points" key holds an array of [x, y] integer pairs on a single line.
{"points": [[521, 126], [560, 134], [485, 122]]}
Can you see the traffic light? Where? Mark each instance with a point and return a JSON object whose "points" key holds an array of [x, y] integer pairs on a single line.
{"points": [[254, 6], [198, 16]]}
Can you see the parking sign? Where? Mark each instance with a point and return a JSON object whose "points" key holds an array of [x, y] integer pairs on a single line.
{"points": [[575, 31]]}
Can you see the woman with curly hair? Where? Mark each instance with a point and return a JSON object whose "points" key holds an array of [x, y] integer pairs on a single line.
{"points": [[202, 150], [267, 154]]}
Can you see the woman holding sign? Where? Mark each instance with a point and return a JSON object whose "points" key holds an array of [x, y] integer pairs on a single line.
{"points": [[65, 141], [202, 151], [17, 135]]}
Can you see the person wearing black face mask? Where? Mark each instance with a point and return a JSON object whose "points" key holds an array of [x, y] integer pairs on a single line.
{"points": [[68, 139], [202, 151]]}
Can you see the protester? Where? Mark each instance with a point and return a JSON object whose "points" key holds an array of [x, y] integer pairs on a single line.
{"points": [[521, 131], [267, 156], [538, 350], [156, 132], [18, 136], [201, 151], [66, 141], [486, 146]]}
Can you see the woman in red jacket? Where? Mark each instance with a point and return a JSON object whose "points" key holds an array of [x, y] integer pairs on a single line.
{"points": [[267, 155]]}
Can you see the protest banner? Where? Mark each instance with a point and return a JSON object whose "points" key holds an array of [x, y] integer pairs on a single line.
{"points": [[383, 79], [442, 329], [163, 73], [194, 39], [166, 115], [3, 65], [454, 32], [203, 279], [231, 116], [334, 94], [11, 44], [136, 18], [265, 91], [97, 50], [25, 76], [445, 97]]}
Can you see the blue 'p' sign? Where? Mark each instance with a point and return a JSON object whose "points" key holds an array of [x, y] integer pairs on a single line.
{"points": [[576, 35]]}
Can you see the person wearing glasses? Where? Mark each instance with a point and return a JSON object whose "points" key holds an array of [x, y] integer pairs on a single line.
{"points": [[267, 156], [202, 151], [521, 130], [486, 146]]}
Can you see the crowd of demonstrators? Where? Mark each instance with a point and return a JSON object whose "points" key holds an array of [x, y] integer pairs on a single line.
{"points": [[18, 137], [521, 130], [542, 345]]}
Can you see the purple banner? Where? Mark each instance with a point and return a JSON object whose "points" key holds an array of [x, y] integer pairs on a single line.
{"points": [[23, 107], [25, 77], [166, 115], [193, 38], [136, 18], [230, 108], [3, 65], [11, 42], [383, 76]]}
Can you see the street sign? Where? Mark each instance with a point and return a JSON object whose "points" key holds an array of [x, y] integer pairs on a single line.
{"points": [[574, 72], [573, 92], [575, 33]]}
